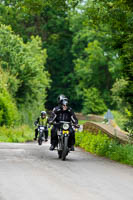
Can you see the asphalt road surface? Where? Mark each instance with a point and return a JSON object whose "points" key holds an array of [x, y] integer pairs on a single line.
{"points": [[32, 172]]}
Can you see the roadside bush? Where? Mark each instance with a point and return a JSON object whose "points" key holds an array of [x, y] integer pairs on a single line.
{"points": [[8, 109], [102, 145], [120, 152], [98, 144]]}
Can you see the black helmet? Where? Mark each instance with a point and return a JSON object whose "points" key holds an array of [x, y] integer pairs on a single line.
{"points": [[60, 98], [43, 113], [64, 102]]}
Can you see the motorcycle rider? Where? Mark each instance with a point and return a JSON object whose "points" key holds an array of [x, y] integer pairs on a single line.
{"points": [[62, 112], [42, 120]]}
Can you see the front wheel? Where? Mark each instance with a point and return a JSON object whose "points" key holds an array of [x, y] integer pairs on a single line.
{"points": [[40, 139], [65, 148], [59, 148]]}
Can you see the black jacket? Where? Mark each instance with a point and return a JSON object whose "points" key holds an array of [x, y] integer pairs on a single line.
{"points": [[58, 114]]}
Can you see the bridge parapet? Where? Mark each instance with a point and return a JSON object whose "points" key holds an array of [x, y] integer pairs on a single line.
{"points": [[111, 131]]}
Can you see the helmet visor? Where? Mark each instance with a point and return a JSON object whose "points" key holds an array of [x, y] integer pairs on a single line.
{"points": [[64, 103]]}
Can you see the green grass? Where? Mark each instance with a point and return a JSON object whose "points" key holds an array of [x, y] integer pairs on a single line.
{"points": [[102, 145], [82, 121], [16, 134]]}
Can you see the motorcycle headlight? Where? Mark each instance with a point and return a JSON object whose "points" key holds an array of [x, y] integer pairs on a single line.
{"points": [[41, 128], [65, 126]]}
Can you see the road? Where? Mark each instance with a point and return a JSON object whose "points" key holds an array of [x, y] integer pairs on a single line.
{"points": [[32, 172]]}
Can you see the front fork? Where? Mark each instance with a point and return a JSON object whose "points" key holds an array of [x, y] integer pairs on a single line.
{"points": [[61, 139], [41, 134], [59, 142]]}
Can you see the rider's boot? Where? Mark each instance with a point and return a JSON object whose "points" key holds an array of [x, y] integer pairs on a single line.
{"points": [[72, 148], [52, 147]]}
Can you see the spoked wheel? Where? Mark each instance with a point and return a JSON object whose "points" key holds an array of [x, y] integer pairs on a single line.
{"points": [[65, 149]]}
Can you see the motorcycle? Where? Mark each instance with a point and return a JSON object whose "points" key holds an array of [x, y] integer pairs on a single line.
{"points": [[63, 134], [41, 133]]}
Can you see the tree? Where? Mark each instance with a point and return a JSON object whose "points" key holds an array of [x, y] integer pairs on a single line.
{"points": [[24, 62], [8, 110], [117, 17], [97, 64], [93, 103], [50, 20]]}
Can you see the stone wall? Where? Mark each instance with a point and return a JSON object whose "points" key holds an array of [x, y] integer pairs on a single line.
{"points": [[112, 132]]}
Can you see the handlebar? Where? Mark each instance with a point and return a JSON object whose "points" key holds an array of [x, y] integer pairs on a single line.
{"points": [[64, 122], [77, 126]]}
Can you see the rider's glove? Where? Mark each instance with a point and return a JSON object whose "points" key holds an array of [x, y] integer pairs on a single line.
{"points": [[50, 122], [77, 126], [49, 126], [35, 124]]}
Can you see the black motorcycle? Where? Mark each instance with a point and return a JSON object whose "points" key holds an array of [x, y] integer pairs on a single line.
{"points": [[41, 134], [63, 138]]}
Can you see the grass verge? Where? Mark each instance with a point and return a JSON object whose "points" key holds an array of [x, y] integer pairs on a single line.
{"points": [[102, 145], [16, 134]]}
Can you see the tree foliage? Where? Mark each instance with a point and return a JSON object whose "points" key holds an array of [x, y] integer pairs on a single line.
{"points": [[50, 20], [27, 78], [93, 103], [116, 16], [25, 62], [89, 45], [97, 64], [8, 110]]}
